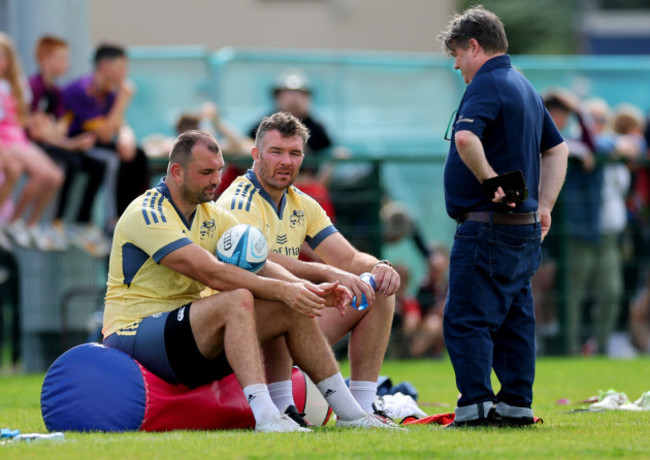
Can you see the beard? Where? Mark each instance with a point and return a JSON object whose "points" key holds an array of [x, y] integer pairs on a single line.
{"points": [[195, 196], [267, 175]]}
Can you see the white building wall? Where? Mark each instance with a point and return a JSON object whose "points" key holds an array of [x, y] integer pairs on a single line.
{"points": [[391, 25]]}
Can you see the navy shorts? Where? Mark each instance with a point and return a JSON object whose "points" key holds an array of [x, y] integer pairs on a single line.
{"points": [[164, 344]]}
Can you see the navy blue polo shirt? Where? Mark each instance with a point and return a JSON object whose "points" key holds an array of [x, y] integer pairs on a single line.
{"points": [[503, 109]]}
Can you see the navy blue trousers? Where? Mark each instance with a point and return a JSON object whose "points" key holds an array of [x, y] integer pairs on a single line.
{"points": [[489, 320]]}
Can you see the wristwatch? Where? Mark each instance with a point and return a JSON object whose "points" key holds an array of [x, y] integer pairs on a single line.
{"points": [[384, 262]]}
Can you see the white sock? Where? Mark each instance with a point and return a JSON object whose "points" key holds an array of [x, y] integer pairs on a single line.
{"points": [[281, 394], [338, 396], [364, 392], [260, 401]]}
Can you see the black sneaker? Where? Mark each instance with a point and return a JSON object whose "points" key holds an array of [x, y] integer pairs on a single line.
{"points": [[515, 422], [298, 417], [493, 419]]}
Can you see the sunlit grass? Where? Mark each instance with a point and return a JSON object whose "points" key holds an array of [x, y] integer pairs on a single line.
{"points": [[564, 434]]}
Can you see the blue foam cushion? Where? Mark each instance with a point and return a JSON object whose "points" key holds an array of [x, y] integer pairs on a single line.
{"points": [[93, 388]]}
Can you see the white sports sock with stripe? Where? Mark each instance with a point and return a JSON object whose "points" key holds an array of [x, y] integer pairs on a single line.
{"points": [[260, 401], [282, 394], [338, 396]]}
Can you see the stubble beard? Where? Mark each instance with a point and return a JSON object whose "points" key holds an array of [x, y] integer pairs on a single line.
{"points": [[195, 198], [270, 181]]}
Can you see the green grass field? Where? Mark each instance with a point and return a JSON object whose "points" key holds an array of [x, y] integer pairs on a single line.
{"points": [[563, 435]]}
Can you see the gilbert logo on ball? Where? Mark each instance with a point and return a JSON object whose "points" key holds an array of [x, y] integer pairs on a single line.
{"points": [[243, 245]]}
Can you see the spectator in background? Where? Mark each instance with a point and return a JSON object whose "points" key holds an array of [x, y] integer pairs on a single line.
{"points": [[405, 305], [231, 141], [639, 319], [97, 103], [49, 128], [397, 224], [621, 148], [638, 204], [207, 119], [582, 201], [424, 325], [21, 155], [544, 293]]}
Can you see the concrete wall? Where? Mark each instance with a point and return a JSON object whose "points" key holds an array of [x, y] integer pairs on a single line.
{"points": [[27, 20], [404, 25]]}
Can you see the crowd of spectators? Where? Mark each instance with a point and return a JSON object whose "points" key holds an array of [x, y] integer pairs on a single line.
{"points": [[57, 136], [66, 155], [603, 208], [21, 156]]}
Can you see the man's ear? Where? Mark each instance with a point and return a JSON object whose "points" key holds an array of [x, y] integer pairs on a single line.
{"points": [[473, 43], [176, 171], [255, 153]]}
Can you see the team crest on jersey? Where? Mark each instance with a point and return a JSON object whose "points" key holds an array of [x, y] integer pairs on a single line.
{"points": [[297, 218], [207, 229]]}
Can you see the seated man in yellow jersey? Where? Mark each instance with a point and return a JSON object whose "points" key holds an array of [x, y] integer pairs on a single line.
{"points": [[265, 197], [161, 259]]}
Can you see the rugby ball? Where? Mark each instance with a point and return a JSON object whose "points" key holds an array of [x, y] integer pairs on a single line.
{"points": [[309, 400], [243, 245]]}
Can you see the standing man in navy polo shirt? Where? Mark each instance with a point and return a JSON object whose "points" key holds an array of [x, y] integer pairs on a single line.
{"points": [[501, 127]]}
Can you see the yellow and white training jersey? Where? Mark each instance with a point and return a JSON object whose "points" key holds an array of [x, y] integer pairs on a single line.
{"points": [[150, 228], [299, 218]]}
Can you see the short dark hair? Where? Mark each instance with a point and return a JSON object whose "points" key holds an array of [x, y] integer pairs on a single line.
{"points": [[553, 101], [478, 23], [108, 52], [181, 151], [186, 122], [283, 122]]}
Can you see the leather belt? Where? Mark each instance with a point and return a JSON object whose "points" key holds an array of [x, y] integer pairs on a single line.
{"points": [[499, 218]]}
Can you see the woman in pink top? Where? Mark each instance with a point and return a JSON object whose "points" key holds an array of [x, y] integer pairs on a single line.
{"points": [[22, 156]]}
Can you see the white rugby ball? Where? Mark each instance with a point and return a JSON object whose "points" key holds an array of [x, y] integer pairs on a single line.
{"points": [[243, 245], [309, 400]]}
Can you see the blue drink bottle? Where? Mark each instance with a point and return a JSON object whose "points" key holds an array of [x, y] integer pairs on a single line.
{"points": [[370, 279]]}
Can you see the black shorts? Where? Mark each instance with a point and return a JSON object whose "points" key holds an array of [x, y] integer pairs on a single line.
{"points": [[164, 344]]}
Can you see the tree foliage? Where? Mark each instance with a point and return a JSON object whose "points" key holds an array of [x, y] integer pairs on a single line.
{"points": [[536, 27]]}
